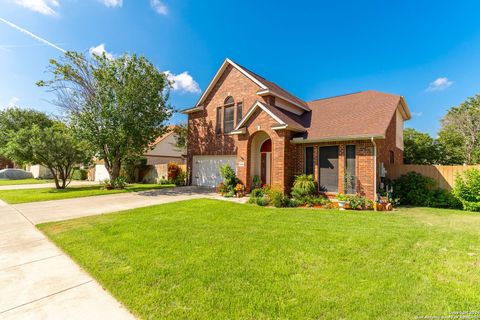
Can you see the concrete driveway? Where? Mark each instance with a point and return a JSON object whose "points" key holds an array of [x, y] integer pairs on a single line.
{"points": [[38, 281], [56, 210]]}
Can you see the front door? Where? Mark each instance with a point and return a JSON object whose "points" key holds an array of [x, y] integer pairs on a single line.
{"points": [[328, 165], [265, 167], [265, 161]]}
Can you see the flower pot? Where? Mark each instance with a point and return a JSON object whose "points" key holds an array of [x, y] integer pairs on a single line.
{"points": [[341, 205]]}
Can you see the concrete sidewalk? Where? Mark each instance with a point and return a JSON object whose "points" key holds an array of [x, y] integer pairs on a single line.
{"points": [[47, 185], [38, 281]]}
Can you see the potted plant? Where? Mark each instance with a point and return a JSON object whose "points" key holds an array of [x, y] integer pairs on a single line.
{"points": [[342, 200], [239, 188]]}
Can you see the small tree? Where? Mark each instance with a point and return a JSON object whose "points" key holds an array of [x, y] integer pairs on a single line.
{"points": [[14, 119], [119, 105], [181, 136], [53, 147], [460, 131], [420, 148]]}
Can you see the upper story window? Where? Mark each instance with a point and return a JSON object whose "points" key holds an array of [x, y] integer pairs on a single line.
{"points": [[239, 112], [228, 101], [218, 125], [392, 157], [228, 115]]}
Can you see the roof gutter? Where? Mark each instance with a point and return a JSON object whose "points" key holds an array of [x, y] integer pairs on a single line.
{"points": [[337, 139]]}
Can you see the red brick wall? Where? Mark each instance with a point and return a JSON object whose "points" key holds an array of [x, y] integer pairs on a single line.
{"points": [[364, 164], [202, 138], [389, 144]]}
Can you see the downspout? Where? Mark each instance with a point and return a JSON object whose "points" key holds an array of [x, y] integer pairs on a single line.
{"points": [[374, 174]]}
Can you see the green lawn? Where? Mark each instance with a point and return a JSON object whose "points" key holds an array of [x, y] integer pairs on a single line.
{"points": [[207, 259], [7, 182], [44, 194]]}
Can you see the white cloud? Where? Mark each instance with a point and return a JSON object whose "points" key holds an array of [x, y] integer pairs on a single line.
{"points": [[159, 7], [183, 82], [99, 50], [417, 114], [439, 84], [34, 36], [41, 6], [112, 3], [13, 102]]}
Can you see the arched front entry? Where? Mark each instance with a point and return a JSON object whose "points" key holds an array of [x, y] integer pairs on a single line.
{"points": [[261, 157]]}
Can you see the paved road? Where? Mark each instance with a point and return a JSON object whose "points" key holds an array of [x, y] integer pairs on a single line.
{"points": [[38, 281], [47, 185]]}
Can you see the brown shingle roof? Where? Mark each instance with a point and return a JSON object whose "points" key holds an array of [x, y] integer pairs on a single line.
{"points": [[366, 113], [276, 89]]}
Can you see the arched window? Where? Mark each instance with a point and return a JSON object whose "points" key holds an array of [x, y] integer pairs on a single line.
{"points": [[228, 114], [229, 100]]}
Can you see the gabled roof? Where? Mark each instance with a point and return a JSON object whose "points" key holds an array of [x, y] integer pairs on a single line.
{"points": [[266, 87], [164, 136], [284, 120], [358, 115]]}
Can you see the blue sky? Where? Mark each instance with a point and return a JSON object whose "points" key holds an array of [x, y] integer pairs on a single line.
{"points": [[426, 51]]}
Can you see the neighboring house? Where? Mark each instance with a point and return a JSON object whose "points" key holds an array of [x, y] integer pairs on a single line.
{"points": [[164, 150], [260, 129], [39, 172]]}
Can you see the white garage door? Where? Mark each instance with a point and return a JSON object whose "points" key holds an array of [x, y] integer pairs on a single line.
{"points": [[206, 169]]}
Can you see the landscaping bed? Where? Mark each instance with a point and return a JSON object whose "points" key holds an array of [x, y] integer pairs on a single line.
{"points": [[204, 259], [45, 194]]}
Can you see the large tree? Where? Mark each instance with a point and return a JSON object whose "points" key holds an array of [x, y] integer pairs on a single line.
{"points": [[14, 119], [460, 132], [54, 147], [420, 148], [118, 104]]}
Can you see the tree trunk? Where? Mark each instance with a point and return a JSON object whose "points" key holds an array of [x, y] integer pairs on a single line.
{"points": [[55, 178], [114, 171]]}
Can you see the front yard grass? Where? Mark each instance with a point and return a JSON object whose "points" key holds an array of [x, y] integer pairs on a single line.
{"points": [[9, 182], [204, 259], [45, 194]]}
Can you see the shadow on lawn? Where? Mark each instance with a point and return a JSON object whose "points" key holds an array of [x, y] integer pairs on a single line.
{"points": [[187, 190]]}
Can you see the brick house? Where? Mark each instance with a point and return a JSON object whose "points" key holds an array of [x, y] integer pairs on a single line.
{"points": [[262, 130]]}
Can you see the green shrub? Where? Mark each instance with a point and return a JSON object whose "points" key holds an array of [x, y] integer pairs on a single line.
{"points": [[304, 186], [181, 178], [264, 201], [230, 179], [357, 202], [314, 201], [257, 193], [79, 174], [467, 189], [414, 189], [257, 182], [118, 183], [230, 194]]}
